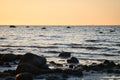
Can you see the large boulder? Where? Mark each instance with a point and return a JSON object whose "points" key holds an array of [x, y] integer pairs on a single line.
{"points": [[25, 67], [31, 63], [73, 60], [33, 59], [65, 54], [24, 76]]}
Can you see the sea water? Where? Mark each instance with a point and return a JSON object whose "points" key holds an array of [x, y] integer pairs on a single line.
{"points": [[90, 44]]}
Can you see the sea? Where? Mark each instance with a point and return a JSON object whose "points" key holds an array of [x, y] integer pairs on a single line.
{"points": [[89, 43]]}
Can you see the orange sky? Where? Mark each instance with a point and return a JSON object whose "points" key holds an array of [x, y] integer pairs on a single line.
{"points": [[60, 12]]}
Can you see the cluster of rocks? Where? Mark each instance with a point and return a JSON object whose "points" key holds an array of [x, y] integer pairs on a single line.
{"points": [[68, 55], [6, 59], [31, 65]]}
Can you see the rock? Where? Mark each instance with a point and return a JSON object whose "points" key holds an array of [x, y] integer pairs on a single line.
{"points": [[73, 60], [8, 57], [109, 63], [25, 67], [27, 26], [68, 26], [32, 63], [71, 66], [18, 57], [44, 28], [12, 72], [56, 64], [24, 76], [12, 26], [65, 54], [33, 59], [101, 32]]}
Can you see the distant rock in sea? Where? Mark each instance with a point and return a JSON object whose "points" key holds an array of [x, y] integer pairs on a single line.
{"points": [[12, 26], [44, 28], [65, 54]]}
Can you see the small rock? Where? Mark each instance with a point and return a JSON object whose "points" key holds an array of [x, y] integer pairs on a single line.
{"points": [[68, 26], [65, 54], [12, 26], [44, 28], [73, 60]]}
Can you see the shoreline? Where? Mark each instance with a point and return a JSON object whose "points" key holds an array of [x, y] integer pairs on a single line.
{"points": [[78, 71]]}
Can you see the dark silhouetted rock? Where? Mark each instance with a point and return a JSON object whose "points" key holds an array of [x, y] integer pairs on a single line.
{"points": [[8, 57], [65, 54], [73, 60], [71, 66], [101, 32], [56, 64], [25, 67], [68, 26], [12, 26], [109, 63], [27, 26], [33, 59], [24, 76], [32, 63], [44, 28]]}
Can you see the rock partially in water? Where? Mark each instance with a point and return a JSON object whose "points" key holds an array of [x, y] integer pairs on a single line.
{"points": [[43, 28], [25, 67], [27, 26], [56, 64], [8, 57], [12, 26], [65, 54], [24, 76], [73, 60], [38, 61], [32, 63], [68, 27]]}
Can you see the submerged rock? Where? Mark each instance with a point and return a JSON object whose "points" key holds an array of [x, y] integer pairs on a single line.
{"points": [[73, 60], [65, 54], [24, 76]]}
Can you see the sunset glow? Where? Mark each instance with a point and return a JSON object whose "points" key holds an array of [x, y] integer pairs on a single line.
{"points": [[60, 12]]}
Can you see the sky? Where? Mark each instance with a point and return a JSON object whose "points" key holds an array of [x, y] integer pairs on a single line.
{"points": [[60, 12]]}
